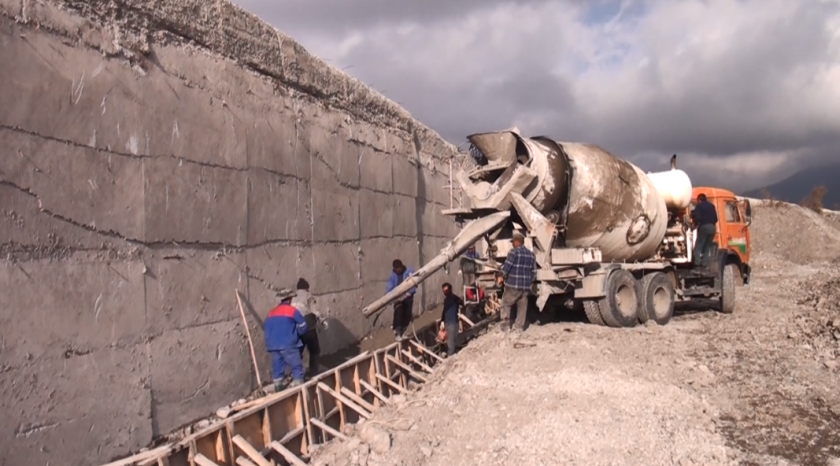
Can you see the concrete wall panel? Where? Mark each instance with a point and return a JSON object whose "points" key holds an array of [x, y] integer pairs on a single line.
{"points": [[276, 208], [186, 202], [377, 214], [78, 410], [336, 215], [197, 369], [56, 309]]}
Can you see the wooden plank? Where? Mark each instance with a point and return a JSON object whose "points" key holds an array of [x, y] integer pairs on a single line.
{"points": [[202, 460], [315, 422], [287, 455], [375, 392], [249, 450], [242, 461], [391, 383], [407, 369], [466, 320], [146, 455], [250, 341], [420, 363], [356, 398], [427, 351], [310, 440], [343, 399]]}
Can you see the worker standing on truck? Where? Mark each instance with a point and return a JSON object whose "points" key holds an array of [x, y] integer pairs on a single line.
{"points": [[452, 303], [404, 305], [705, 218], [283, 329], [518, 273], [305, 303]]}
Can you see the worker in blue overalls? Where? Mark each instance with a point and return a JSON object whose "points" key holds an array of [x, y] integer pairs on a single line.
{"points": [[284, 327]]}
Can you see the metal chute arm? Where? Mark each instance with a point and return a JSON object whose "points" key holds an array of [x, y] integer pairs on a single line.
{"points": [[472, 232]]}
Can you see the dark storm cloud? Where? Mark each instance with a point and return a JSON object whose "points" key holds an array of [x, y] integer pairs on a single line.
{"points": [[749, 85]]}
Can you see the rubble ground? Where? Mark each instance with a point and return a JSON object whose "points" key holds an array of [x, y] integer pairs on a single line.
{"points": [[758, 387]]}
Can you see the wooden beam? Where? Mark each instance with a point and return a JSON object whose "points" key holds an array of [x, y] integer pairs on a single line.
{"points": [[286, 454], [427, 351], [242, 461], [466, 320], [372, 389], [347, 402], [250, 451], [390, 383], [250, 341], [407, 369], [202, 460], [146, 455], [315, 422], [417, 361], [359, 400]]}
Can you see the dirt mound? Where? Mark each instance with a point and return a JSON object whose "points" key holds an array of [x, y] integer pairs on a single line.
{"points": [[820, 324], [788, 233]]}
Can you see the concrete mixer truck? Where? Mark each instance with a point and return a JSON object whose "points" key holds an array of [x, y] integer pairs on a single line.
{"points": [[608, 237]]}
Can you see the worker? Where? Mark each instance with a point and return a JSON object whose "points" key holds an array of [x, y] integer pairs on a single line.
{"points": [[284, 327], [305, 303], [518, 274], [405, 303], [452, 303], [705, 219]]}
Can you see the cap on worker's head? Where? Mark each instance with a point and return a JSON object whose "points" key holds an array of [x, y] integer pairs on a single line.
{"points": [[397, 264], [701, 197], [302, 284], [286, 294], [518, 235]]}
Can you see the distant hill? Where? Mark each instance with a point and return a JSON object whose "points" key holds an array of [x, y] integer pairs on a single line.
{"points": [[798, 186]]}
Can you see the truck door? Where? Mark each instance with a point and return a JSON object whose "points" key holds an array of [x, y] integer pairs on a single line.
{"points": [[733, 230], [746, 213]]}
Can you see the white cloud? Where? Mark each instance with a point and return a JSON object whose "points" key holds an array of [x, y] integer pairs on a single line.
{"points": [[739, 85]]}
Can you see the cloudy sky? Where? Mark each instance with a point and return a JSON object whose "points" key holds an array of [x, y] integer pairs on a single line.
{"points": [[745, 91]]}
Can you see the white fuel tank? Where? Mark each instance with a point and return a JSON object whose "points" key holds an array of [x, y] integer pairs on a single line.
{"points": [[674, 186]]}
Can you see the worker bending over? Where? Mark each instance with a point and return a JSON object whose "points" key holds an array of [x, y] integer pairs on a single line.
{"points": [[449, 317], [283, 329], [305, 303], [705, 218], [403, 305], [518, 274]]}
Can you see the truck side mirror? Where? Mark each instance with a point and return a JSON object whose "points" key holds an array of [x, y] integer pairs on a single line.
{"points": [[747, 211]]}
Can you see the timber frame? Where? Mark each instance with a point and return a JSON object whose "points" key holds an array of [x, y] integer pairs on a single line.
{"points": [[280, 428]]}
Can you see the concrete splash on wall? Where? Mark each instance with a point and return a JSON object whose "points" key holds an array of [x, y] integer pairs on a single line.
{"points": [[155, 155]]}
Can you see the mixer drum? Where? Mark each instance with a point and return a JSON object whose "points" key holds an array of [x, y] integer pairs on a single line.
{"points": [[612, 205]]}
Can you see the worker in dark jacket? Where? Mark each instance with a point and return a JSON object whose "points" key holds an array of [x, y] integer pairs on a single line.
{"points": [[705, 219], [283, 329], [305, 303], [449, 317]]}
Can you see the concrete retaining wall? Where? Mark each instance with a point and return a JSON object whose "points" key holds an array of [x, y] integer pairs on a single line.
{"points": [[155, 155]]}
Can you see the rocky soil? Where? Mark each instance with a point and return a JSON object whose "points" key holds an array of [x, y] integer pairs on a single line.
{"points": [[758, 387]]}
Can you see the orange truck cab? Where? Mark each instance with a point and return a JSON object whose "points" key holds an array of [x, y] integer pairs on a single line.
{"points": [[732, 238]]}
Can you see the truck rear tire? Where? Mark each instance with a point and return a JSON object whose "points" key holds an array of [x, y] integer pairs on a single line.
{"points": [[593, 312], [727, 288], [620, 306], [656, 298]]}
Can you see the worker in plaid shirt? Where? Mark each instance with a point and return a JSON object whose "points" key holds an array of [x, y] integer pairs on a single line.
{"points": [[519, 272]]}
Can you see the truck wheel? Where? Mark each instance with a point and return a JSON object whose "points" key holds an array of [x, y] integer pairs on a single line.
{"points": [[620, 307], [657, 297], [727, 289], [593, 312]]}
